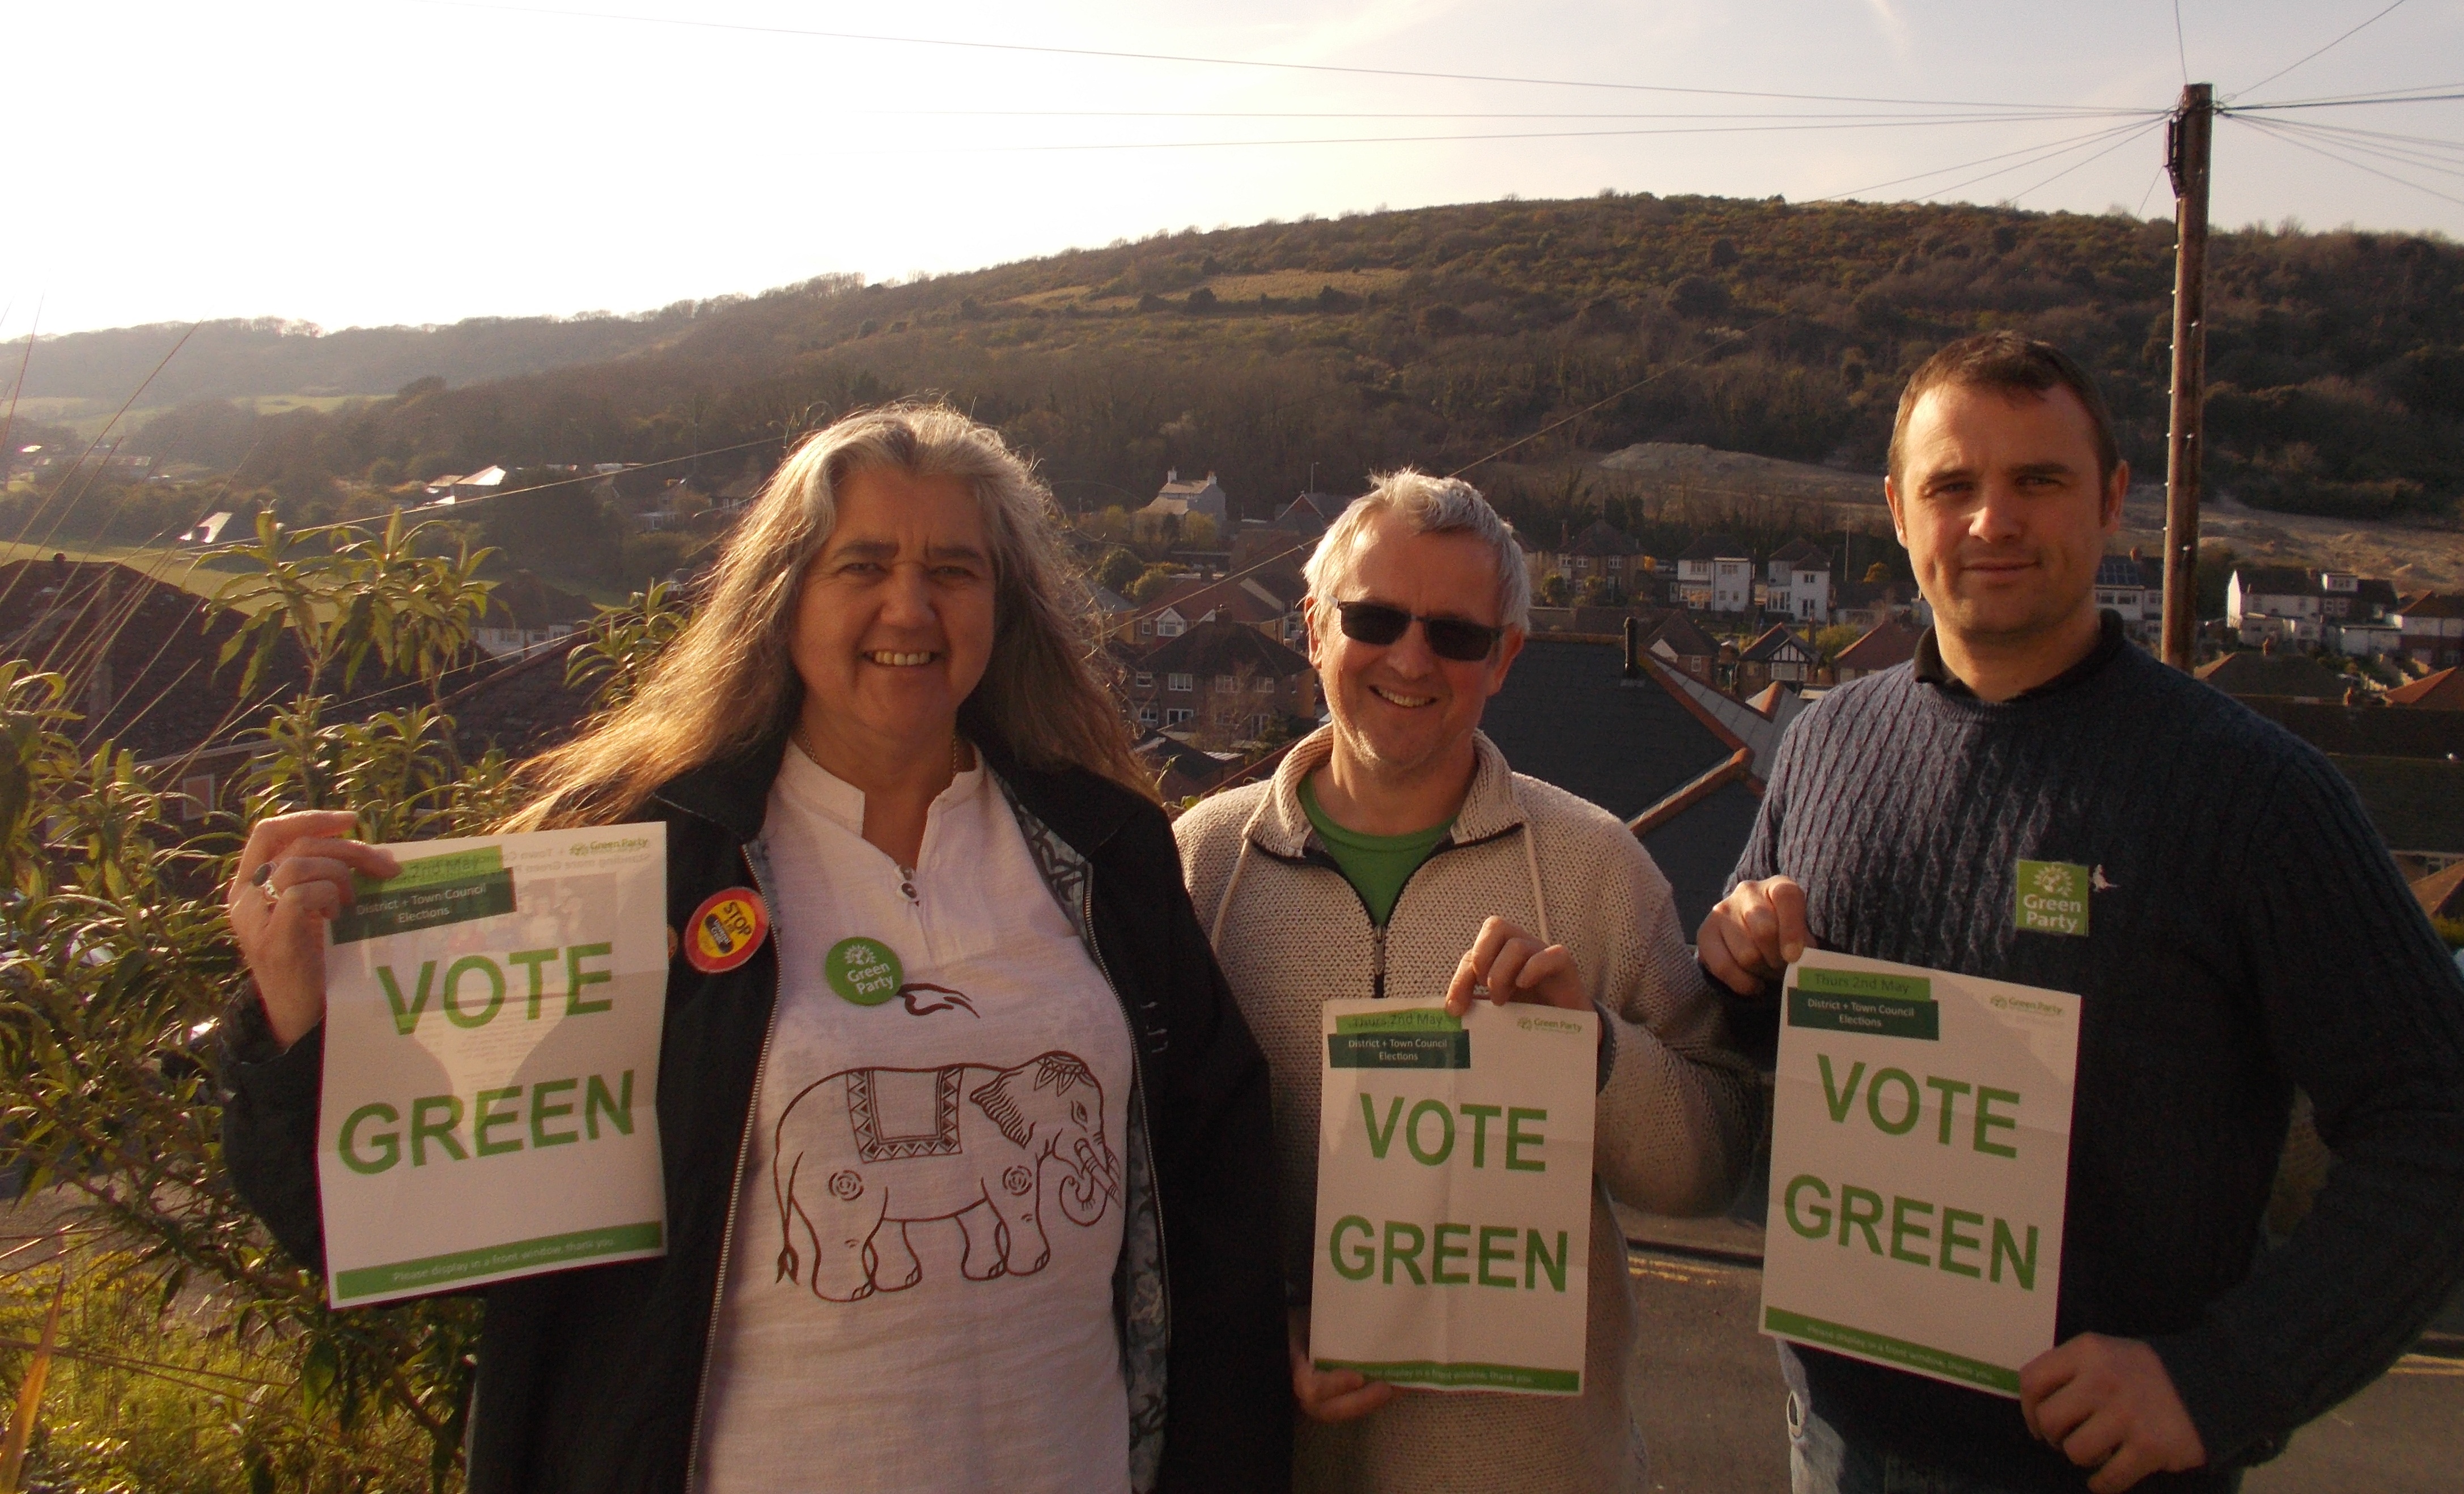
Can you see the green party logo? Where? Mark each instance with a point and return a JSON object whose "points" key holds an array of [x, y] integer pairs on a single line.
{"points": [[864, 972], [2052, 899]]}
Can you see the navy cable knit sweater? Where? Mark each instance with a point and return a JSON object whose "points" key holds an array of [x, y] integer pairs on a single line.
{"points": [[2246, 933]]}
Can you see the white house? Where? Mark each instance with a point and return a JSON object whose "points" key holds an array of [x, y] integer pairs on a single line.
{"points": [[2431, 629], [1797, 582], [2294, 605], [2279, 601], [1715, 575], [484, 483], [1178, 499]]}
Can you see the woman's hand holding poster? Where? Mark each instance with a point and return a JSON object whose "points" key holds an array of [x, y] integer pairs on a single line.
{"points": [[1920, 1164], [1454, 1195], [491, 1059]]}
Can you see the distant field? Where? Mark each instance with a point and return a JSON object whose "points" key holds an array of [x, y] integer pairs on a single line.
{"points": [[185, 569], [1282, 284], [88, 417]]}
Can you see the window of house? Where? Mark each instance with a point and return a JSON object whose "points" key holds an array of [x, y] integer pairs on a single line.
{"points": [[1227, 683], [1184, 683], [1175, 716], [1143, 679], [1168, 627], [1147, 715], [1263, 684], [1146, 628]]}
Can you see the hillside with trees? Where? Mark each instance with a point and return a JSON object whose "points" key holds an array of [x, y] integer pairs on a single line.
{"points": [[237, 358], [1290, 354]]}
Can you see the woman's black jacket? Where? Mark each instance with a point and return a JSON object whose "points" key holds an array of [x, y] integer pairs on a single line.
{"points": [[589, 1379]]}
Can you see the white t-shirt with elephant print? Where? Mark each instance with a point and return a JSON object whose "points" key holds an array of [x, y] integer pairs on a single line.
{"points": [[919, 1292]]}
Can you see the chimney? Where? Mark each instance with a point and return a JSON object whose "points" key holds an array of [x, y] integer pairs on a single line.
{"points": [[1172, 474], [1632, 646]]}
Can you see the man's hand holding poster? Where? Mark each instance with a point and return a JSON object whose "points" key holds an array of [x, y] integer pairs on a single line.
{"points": [[1920, 1162], [492, 1054], [1454, 1195]]}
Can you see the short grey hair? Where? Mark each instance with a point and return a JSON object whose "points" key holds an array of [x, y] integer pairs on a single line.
{"points": [[1430, 506]]}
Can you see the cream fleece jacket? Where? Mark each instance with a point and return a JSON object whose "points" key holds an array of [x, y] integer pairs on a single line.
{"points": [[1675, 1124]]}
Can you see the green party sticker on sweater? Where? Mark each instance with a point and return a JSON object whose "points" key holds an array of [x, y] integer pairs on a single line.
{"points": [[864, 972], [2052, 899]]}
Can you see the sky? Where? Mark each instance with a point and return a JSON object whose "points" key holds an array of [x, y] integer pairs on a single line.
{"points": [[379, 162]]}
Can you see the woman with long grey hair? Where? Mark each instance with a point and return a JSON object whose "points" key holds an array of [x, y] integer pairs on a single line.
{"points": [[882, 742]]}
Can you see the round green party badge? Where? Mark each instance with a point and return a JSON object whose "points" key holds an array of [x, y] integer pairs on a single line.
{"points": [[863, 971]]}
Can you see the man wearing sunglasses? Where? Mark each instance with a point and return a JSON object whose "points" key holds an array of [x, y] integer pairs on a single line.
{"points": [[1395, 853]]}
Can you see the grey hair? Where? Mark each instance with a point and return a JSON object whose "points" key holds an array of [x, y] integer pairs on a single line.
{"points": [[729, 681], [1430, 506]]}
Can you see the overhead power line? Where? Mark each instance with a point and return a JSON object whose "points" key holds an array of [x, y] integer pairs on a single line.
{"points": [[1970, 116], [2364, 96], [2285, 131], [2043, 151], [2312, 56], [2344, 103], [2135, 116], [1193, 59]]}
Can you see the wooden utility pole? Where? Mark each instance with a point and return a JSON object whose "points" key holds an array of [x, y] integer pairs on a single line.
{"points": [[2187, 141]]}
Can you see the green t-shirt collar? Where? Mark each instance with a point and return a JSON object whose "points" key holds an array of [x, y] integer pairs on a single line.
{"points": [[1377, 866]]}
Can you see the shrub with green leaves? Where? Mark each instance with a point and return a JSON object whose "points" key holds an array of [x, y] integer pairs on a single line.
{"points": [[116, 969]]}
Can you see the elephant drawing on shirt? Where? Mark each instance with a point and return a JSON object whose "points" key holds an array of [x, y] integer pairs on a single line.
{"points": [[847, 1189]]}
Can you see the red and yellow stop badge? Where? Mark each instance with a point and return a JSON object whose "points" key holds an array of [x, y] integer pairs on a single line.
{"points": [[725, 930]]}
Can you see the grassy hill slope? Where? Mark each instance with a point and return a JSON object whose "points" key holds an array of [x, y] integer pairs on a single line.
{"points": [[1434, 336]]}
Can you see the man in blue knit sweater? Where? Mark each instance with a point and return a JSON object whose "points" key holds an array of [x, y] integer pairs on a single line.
{"points": [[2246, 933]]}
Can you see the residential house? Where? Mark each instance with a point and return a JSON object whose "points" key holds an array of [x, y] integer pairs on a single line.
{"points": [[1797, 582], [2279, 601], [1177, 500], [2417, 803], [207, 530], [1715, 574], [2264, 671], [138, 658], [1601, 622], [1869, 603], [2441, 893], [1886, 644], [2132, 587], [2296, 605], [1605, 721], [525, 613], [2366, 731], [1313, 514], [1181, 771], [2431, 629], [1677, 642], [1116, 615], [1778, 655], [2443, 690], [485, 483], [1220, 681], [1268, 600], [1601, 551], [743, 489]]}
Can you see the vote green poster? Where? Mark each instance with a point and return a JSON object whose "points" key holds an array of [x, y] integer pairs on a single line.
{"points": [[491, 1061], [1920, 1164], [1454, 1195]]}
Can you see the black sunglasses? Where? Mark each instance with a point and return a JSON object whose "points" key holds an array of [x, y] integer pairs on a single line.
{"points": [[1453, 638]]}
